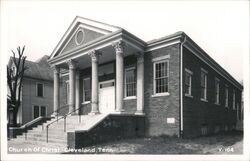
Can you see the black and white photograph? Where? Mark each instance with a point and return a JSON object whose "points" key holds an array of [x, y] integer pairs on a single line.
{"points": [[124, 80]]}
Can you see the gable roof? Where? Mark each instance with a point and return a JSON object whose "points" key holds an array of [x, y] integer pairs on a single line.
{"points": [[87, 23], [37, 70]]}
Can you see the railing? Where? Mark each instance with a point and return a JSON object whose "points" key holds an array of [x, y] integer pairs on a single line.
{"points": [[38, 119], [56, 112], [64, 126]]}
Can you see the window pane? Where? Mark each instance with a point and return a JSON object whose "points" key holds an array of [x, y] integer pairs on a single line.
{"points": [[40, 90], [86, 84], [43, 111], [67, 92], [87, 89], [36, 111], [161, 77], [130, 82]]}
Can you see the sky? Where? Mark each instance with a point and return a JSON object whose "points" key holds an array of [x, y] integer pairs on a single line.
{"points": [[218, 27]]}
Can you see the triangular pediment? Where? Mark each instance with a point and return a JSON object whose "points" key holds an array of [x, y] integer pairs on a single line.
{"points": [[81, 32]]}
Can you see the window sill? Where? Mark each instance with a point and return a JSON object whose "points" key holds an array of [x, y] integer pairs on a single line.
{"points": [[129, 98], [160, 94], [204, 100], [85, 103], [188, 95]]}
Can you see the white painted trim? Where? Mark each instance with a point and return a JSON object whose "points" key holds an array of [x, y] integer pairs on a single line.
{"points": [[165, 44], [81, 20], [79, 30], [181, 88], [191, 74], [188, 95], [129, 98], [67, 92], [226, 104], [204, 70], [161, 94], [198, 53], [234, 100], [189, 71], [204, 100], [217, 80], [83, 91], [125, 87], [85, 103], [154, 83], [111, 80], [206, 74], [161, 58]]}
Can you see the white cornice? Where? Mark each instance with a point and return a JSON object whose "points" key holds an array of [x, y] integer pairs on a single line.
{"points": [[99, 43], [90, 24], [198, 52]]}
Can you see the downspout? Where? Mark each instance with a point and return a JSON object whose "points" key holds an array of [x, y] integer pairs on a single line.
{"points": [[181, 86]]}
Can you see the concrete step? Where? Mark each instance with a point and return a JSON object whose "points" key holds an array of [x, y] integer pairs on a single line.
{"points": [[56, 135], [61, 140]]}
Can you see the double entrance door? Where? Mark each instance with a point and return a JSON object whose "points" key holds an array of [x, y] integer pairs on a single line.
{"points": [[107, 96]]}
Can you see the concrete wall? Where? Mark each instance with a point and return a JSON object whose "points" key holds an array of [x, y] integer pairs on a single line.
{"points": [[198, 113], [159, 109], [110, 129], [29, 98]]}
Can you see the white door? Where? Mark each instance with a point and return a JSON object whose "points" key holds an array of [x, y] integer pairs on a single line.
{"points": [[107, 96]]}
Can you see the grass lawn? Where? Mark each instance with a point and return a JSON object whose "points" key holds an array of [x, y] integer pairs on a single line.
{"points": [[230, 143]]}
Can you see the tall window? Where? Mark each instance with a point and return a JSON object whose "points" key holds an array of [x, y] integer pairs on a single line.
{"points": [[203, 84], [217, 91], [233, 99], [161, 75], [86, 90], [226, 96], [39, 89], [39, 111], [188, 82], [67, 92], [130, 82]]}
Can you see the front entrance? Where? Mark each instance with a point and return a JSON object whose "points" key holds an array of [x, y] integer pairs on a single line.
{"points": [[107, 96]]}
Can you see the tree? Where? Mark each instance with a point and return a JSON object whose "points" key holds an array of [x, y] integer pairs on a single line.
{"points": [[14, 79]]}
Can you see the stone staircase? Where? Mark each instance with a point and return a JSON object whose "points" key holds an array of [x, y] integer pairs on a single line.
{"points": [[57, 137]]}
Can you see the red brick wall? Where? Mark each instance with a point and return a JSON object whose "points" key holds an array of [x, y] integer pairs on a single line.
{"points": [[158, 109], [197, 112]]}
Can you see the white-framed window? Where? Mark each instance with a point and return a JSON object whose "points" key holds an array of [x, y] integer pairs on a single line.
{"points": [[226, 96], [204, 84], [217, 91], [86, 90], [233, 99], [188, 82], [39, 111], [67, 91], [161, 77], [130, 82], [39, 89]]}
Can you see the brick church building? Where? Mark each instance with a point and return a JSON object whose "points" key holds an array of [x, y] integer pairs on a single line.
{"points": [[122, 86]]}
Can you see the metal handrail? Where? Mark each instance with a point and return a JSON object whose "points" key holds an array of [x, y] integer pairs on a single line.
{"points": [[57, 113], [63, 117]]}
